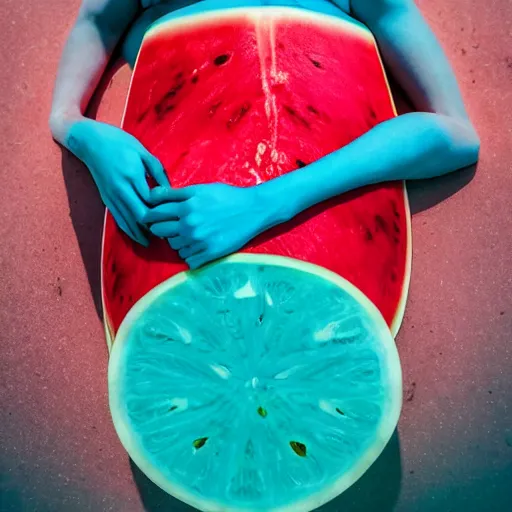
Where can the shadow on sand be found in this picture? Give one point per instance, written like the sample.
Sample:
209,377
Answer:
85,206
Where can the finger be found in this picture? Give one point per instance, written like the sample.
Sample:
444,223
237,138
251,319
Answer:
164,194
131,219
165,229
127,224
136,208
155,168
121,223
192,250
178,242
201,258
198,260
141,186
163,213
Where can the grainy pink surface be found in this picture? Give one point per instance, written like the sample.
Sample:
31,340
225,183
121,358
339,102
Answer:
59,451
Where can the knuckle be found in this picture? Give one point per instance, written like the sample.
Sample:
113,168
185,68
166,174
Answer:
158,193
131,178
193,202
192,221
122,166
140,215
180,228
197,234
113,183
117,189
187,207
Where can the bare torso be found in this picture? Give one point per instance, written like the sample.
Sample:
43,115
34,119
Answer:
156,9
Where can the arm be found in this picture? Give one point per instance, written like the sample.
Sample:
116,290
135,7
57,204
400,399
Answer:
116,160
97,30
215,219
434,141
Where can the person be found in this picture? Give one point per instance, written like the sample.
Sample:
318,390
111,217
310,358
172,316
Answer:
208,221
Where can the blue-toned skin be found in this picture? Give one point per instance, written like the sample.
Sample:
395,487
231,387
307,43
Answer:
215,220
118,164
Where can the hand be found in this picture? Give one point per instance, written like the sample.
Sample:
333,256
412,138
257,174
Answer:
118,163
206,222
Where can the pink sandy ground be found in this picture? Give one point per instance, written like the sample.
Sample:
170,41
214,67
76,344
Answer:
59,451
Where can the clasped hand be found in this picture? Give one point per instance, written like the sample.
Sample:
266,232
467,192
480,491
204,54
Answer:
205,222
201,222
119,164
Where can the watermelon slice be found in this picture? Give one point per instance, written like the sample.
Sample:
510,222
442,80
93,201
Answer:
257,383
241,96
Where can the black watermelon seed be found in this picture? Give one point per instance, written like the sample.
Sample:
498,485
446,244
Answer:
395,209
142,116
300,163
214,108
238,115
297,116
381,223
116,283
221,59
173,90
339,411
290,110
165,105
161,111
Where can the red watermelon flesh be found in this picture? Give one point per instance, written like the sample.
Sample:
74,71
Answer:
241,97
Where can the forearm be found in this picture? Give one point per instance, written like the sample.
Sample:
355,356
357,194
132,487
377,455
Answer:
99,27
412,146
83,61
